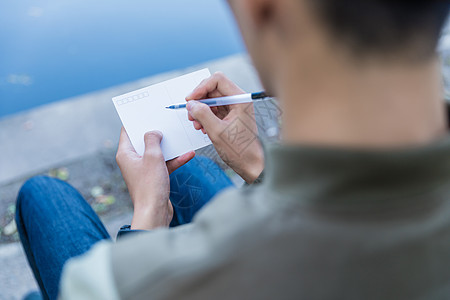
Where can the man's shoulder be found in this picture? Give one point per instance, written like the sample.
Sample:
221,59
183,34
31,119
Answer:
234,221
242,205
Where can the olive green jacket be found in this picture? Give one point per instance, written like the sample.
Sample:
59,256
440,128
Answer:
324,224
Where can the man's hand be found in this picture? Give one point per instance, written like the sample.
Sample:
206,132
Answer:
232,128
147,179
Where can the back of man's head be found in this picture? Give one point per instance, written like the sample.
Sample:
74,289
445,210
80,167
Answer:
385,27
281,32
349,72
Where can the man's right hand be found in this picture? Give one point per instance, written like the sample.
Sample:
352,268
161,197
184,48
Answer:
231,128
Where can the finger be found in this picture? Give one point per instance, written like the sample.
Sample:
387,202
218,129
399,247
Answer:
190,117
203,115
152,142
125,146
197,125
215,94
124,140
218,85
215,110
175,163
203,89
203,130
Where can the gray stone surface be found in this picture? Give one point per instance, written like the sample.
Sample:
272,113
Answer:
16,278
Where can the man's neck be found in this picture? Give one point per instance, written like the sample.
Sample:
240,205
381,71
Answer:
373,106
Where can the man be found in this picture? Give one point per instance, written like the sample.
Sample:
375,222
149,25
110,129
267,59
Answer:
354,201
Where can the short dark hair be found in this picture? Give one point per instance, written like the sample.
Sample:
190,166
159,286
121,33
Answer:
410,28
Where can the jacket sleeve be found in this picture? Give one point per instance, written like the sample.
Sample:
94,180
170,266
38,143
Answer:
89,276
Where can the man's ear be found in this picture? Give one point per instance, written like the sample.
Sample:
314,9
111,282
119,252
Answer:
261,12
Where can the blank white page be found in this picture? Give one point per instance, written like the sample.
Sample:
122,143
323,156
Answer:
145,110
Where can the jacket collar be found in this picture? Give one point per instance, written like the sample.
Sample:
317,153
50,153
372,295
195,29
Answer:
333,176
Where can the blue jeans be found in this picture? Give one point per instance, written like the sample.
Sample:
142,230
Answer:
55,223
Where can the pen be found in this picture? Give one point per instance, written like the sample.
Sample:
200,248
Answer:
238,99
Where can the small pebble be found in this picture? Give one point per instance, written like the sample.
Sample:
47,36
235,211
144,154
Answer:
63,174
10,229
99,207
97,191
107,200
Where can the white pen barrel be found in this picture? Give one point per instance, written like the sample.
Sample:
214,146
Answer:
238,99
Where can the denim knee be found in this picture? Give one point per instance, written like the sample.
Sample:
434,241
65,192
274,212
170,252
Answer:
203,167
30,191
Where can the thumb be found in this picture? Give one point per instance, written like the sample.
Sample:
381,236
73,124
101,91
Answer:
152,142
203,114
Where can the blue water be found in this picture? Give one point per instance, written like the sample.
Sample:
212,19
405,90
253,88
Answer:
51,50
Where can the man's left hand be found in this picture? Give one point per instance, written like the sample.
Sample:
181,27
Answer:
147,179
